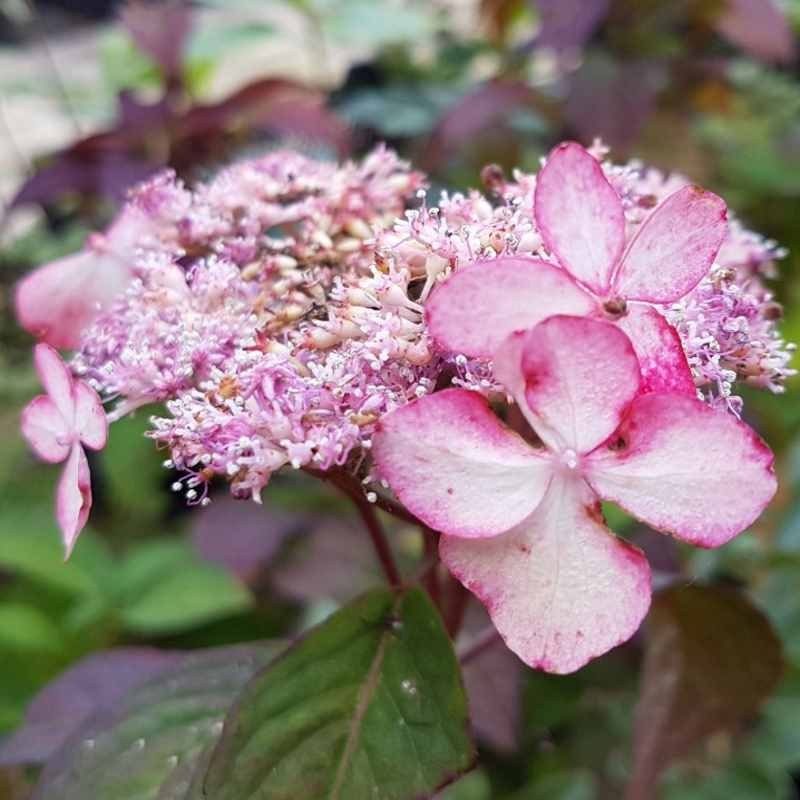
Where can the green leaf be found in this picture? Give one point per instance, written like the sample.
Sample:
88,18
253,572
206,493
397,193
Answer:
124,66
214,41
375,23
30,546
25,629
133,472
474,786
402,110
777,739
148,747
778,595
561,785
369,704
165,588
712,659
741,778
551,700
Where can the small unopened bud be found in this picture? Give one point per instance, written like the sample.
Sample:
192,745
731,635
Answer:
322,239
363,419
346,329
772,311
497,241
418,353
381,262
435,265
529,242
359,229
228,387
399,182
348,245
322,339
393,295
278,348
292,312
358,297
723,275
317,293
285,263
251,271
493,178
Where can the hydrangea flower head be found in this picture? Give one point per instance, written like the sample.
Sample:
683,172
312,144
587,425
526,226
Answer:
58,425
522,523
603,272
280,309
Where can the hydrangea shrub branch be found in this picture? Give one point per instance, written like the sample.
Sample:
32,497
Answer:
292,313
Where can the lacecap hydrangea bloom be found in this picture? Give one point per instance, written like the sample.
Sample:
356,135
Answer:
284,310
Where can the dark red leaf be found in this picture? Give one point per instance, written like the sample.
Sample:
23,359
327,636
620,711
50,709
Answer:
272,107
493,680
91,685
334,561
711,660
759,27
569,23
483,109
150,740
160,30
148,137
243,537
102,165
612,100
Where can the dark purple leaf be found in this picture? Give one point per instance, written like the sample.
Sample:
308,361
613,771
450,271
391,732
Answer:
160,30
484,109
711,660
661,552
612,100
149,741
334,562
243,537
134,115
493,680
95,683
273,107
148,137
87,171
569,23
758,27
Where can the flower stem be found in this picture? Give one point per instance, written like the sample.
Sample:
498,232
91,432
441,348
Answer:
379,540
353,489
350,485
430,576
456,607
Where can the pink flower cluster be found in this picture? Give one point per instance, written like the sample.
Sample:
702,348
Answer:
291,312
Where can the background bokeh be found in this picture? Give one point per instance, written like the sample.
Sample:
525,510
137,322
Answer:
96,95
